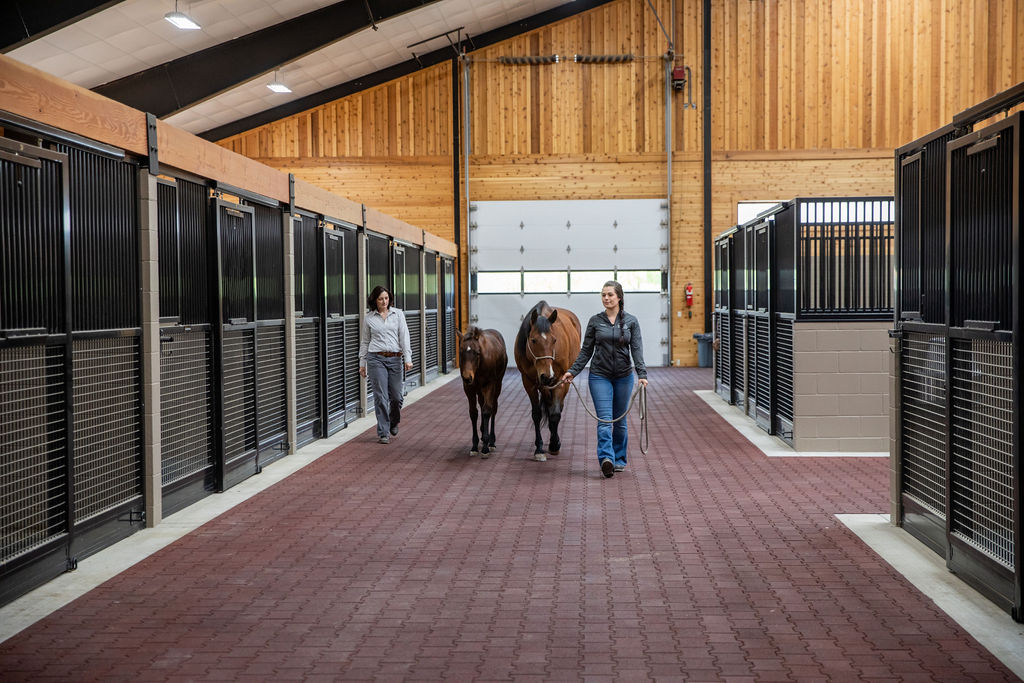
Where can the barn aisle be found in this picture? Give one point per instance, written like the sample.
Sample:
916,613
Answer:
704,560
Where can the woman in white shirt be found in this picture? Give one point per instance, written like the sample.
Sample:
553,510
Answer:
383,347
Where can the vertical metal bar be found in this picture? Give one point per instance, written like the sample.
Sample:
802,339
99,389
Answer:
321,271
467,148
1017,375
215,295
706,152
69,402
254,288
456,146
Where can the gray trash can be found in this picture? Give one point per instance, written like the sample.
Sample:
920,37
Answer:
704,342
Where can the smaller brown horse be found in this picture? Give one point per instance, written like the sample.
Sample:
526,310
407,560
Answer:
482,362
546,346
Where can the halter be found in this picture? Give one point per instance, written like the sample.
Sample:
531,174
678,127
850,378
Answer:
536,357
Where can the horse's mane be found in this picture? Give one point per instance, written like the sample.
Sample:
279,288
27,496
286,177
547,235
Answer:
543,325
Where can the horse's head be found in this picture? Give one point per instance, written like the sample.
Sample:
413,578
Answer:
470,356
541,349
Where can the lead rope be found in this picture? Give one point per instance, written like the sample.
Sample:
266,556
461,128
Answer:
641,391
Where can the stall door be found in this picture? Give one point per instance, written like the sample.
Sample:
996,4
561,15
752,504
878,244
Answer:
563,252
237,347
448,322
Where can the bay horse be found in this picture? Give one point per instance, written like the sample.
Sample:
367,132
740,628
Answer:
482,362
546,346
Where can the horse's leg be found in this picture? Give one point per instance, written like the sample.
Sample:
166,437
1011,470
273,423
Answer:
485,421
554,417
472,420
489,407
538,441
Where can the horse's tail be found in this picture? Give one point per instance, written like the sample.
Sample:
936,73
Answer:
545,412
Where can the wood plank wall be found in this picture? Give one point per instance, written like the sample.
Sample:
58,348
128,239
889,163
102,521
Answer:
809,98
848,74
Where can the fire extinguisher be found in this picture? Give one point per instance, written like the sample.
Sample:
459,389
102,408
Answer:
689,299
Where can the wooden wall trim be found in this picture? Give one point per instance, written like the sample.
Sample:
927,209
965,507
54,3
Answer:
35,95
332,205
389,225
441,246
182,150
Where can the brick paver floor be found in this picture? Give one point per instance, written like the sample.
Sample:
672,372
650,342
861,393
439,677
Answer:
704,561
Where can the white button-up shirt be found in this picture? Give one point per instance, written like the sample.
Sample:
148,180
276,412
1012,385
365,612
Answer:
385,334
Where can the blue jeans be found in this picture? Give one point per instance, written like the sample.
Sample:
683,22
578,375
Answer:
611,398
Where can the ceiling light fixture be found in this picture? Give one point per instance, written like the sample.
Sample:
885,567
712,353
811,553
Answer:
181,20
277,85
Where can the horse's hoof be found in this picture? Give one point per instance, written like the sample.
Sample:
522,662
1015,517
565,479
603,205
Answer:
484,456
472,453
540,457
552,452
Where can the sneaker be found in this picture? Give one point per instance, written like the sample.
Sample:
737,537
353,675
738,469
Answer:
384,439
607,467
619,468
394,430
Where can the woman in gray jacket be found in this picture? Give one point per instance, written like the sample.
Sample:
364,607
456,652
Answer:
383,349
612,336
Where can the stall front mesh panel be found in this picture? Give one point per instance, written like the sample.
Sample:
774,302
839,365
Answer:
982,447
239,394
431,342
723,357
186,434
784,368
739,358
751,365
352,368
923,443
33,469
415,340
336,368
307,372
107,424
449,335
717,318
763,362
270,378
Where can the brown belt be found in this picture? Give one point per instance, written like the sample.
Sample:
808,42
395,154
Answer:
387,354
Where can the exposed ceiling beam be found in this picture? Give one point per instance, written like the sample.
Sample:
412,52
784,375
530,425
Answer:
22,21
172,86
398,70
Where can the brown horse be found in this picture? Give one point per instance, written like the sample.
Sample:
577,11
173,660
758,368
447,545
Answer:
482,362
546,346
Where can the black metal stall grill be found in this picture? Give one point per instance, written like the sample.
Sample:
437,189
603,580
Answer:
723,317
70,354
188,451
804,260
958,348
431,343
308,281
448,311
407,296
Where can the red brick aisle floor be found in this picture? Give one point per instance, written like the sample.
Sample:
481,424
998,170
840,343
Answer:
704,561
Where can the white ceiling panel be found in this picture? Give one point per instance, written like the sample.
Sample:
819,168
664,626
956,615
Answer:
132,36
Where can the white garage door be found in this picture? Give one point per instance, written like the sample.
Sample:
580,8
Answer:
563,252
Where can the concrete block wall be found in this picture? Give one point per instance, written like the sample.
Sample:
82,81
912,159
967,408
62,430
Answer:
841,386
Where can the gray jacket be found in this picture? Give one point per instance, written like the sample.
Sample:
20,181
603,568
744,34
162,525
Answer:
601,340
